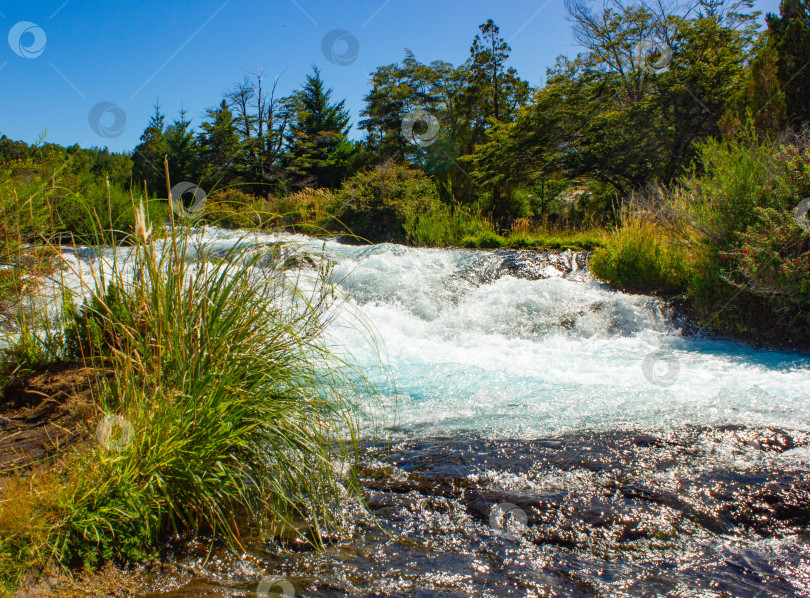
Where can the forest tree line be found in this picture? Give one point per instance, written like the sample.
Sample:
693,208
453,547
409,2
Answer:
599,117
602,125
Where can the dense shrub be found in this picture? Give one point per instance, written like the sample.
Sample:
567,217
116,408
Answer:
384,204
730,227
396,204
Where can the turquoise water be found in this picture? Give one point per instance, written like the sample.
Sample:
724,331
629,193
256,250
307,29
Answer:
522,358
467,345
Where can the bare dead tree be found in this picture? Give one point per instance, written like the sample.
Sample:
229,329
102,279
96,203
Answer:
240,99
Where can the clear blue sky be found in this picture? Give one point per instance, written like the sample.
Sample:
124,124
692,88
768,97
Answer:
188,53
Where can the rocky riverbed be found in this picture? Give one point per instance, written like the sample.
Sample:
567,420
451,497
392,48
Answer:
718,512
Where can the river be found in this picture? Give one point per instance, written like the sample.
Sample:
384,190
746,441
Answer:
549,436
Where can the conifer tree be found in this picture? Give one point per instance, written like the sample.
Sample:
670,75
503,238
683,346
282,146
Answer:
318,150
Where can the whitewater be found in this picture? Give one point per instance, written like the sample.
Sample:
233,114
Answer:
519,344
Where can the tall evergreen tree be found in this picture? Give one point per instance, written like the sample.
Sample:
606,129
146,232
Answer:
184,152
219,145
790,35
148,155
318,150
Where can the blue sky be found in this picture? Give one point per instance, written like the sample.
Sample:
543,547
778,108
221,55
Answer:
79,53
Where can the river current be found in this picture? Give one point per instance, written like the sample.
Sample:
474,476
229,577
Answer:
547,436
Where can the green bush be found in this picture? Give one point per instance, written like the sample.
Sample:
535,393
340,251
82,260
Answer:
385,204
728,237
639,258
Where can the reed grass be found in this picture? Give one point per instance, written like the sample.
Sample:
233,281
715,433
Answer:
227,407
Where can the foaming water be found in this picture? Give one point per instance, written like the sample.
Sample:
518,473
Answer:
472,346
516,345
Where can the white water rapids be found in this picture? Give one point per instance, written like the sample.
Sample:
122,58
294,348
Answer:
470,347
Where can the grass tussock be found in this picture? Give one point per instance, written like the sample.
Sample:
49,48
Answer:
226,408
640,257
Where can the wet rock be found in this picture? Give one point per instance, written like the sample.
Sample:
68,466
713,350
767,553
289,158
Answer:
672,501
645,440
637,513
777,440
777,509
538,265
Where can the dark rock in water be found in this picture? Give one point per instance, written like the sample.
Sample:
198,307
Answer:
537,265
486,267
645,440
777,440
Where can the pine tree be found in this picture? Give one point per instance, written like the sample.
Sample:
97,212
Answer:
219,145
318,150
790,35
488,54
184,152
148,155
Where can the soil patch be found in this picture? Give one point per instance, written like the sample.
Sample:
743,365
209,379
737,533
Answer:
45,412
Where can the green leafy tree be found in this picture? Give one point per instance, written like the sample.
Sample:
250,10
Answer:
619,116
463,103
761,102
